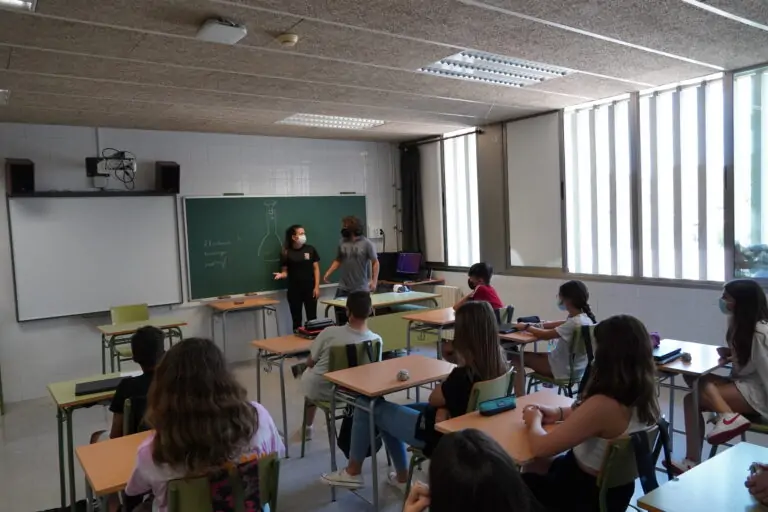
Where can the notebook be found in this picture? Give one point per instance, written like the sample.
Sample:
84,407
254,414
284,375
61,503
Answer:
97,386
665,353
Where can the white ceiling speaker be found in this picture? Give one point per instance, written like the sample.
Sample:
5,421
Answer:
219,30
288,40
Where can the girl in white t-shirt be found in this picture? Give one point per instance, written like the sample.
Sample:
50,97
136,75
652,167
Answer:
572,297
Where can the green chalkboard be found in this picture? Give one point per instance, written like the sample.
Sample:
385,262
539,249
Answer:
234,243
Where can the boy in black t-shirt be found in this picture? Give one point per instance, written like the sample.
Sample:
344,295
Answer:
147,345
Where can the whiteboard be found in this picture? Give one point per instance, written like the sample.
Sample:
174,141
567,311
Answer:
79,255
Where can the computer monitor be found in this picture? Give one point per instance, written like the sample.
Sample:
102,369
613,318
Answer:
408,263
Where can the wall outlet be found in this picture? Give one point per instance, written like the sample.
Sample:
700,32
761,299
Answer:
374,231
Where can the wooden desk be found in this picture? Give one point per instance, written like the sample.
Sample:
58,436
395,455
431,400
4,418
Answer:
716,484
507,428
433,320
704,360
519,338
63,395
376,380
273,352
222,308
382,300
108,465
113,335
425,282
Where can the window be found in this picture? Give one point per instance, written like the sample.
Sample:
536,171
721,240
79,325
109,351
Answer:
681,182
597,188
462,230
750,124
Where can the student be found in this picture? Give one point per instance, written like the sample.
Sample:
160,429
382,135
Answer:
745,392
470,471
477,345
758,484
573,298
302,270
314,386
479,283
147,345
357,260
201,418
619,399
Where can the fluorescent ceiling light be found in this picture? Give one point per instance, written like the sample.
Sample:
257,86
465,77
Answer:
4,96
494,69
27,5
338,122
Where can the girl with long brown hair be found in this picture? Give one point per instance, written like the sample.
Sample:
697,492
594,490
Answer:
202,419
619,399
480,358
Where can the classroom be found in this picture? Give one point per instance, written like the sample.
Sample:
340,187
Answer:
231,191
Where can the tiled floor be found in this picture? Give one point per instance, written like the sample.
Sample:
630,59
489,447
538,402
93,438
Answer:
29,471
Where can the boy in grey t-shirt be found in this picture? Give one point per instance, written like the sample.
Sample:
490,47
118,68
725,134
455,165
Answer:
313,385
357,260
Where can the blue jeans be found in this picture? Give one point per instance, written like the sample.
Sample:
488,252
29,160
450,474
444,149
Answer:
396,424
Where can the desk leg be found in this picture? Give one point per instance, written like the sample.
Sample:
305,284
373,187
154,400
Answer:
671,411
521,350
62,478
258,375
326,310
103,354
88,497
111,343
439,341
696,401
374,468
332,438
277,321
224,333
282,398
263,323
408,338
71,461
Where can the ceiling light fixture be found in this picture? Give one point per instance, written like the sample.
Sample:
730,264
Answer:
336,122
220,30
5,95
494,69
27,5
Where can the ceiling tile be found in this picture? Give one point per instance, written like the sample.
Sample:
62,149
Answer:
754,10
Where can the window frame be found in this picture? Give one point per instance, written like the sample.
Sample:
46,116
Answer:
636,199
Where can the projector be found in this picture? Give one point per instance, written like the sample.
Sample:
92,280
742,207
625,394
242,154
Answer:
221,31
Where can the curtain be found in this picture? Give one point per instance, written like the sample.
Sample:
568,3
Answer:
412,205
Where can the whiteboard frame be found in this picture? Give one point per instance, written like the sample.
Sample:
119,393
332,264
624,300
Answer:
8,199
237,196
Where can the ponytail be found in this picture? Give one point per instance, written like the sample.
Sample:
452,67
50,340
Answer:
588,311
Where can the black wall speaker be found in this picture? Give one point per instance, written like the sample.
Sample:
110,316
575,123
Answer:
19,176
167,177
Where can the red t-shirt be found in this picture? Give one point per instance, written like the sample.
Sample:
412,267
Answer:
488,294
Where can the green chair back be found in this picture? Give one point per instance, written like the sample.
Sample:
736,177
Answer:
339,357
392,329
194,494
133,414
490,389
129,313
504,315
619,465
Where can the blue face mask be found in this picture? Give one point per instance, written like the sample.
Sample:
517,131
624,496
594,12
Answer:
723,304
561,305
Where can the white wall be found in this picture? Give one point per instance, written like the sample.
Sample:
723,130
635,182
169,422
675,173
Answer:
677,313
36,353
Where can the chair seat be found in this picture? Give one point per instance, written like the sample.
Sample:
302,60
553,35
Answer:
551,380
759,426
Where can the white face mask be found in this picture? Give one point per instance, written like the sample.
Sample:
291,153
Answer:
302,239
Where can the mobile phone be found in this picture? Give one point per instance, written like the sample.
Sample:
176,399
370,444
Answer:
497,405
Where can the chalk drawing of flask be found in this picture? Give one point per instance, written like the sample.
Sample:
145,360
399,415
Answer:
271,246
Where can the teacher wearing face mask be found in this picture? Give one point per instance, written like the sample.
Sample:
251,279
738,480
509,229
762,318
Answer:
356,258
301,268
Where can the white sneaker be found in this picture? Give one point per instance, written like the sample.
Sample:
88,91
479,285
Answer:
395,483
678,467
341,478
727,427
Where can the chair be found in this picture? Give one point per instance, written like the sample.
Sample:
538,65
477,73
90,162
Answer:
120,348
481,391
194,494
581,337
758,427
504,315
365,352
620,464
133,415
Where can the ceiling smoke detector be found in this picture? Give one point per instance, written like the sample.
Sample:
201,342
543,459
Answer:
219,30
287,40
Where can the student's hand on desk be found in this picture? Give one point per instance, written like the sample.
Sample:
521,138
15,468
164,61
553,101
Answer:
758,486
724,352
532,415
316,292
549,415
521,326
279,275
326,278
372,285
418,499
